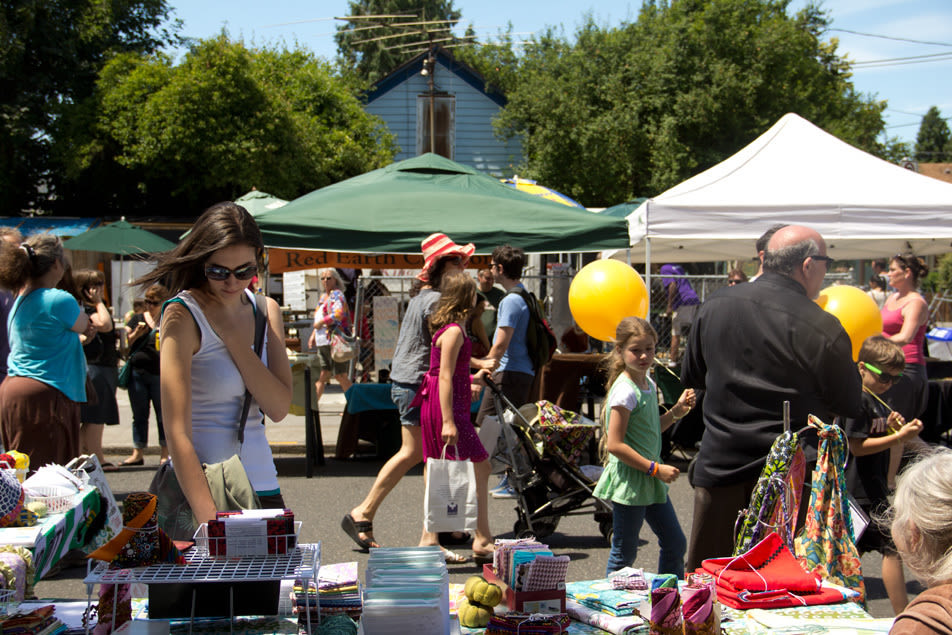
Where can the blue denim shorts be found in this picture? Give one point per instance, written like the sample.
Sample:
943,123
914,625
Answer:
402,396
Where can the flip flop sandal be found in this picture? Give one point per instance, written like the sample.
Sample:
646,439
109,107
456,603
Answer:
354,528
455,538
452,557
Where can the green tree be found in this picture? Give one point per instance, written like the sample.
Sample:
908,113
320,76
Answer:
631,111
51,52
172,139
932,142
371,47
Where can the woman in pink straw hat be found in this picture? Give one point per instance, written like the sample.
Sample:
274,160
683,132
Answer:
441,256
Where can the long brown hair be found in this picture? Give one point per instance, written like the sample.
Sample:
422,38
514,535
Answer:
457,299
221,225
629,327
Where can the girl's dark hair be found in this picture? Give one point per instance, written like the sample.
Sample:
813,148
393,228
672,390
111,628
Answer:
30,259
913,263
86,279
457,299
221,225
435,274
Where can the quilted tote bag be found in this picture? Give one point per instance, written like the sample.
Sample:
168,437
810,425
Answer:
825,545
775,500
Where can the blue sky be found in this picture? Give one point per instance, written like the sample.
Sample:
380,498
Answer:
909,88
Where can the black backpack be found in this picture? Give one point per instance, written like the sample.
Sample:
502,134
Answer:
540,340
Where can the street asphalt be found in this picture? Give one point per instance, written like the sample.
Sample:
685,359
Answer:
322,501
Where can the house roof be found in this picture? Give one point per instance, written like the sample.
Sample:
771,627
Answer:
941,171
413,66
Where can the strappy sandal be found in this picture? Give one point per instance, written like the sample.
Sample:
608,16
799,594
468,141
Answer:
354,528
452,557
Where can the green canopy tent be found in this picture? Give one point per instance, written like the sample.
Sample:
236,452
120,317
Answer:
390,210
258,203
123,238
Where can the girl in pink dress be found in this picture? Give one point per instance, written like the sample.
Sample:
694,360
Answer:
445,398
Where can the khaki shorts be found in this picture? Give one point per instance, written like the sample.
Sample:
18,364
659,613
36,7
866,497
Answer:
682,319
323,361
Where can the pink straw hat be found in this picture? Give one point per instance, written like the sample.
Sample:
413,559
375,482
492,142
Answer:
437,246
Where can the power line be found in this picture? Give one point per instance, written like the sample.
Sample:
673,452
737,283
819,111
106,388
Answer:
931,57
890,37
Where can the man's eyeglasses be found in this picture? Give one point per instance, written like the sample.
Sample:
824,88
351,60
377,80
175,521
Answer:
885,378
825,259
733,282
220,274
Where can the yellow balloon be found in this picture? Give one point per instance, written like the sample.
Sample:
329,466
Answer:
603,293
856,311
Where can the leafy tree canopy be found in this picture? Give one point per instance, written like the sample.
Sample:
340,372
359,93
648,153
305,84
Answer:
933,140
383,34
172,139
51,52
631,111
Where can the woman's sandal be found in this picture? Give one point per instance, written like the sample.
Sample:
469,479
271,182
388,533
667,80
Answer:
354,528
483,557
452,557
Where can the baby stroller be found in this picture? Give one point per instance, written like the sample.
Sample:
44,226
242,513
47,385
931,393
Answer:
542,456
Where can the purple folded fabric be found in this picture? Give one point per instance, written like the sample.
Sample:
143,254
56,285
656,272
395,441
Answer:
666,616
698,610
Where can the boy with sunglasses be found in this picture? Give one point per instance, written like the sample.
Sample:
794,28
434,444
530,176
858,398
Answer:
871,435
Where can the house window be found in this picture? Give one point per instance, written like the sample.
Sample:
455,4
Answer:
443,128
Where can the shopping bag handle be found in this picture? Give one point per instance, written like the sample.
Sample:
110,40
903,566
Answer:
443,453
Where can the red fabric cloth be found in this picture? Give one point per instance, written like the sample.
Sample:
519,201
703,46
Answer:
767,576
769,565
776,599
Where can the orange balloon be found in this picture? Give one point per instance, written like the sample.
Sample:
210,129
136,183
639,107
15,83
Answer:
605,292
856,311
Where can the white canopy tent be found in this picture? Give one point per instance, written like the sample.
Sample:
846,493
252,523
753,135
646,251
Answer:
795,173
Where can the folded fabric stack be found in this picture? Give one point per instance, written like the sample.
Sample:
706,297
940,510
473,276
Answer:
40,621
698,610
666,618
615,625
599,595
304,602
339,590
768,576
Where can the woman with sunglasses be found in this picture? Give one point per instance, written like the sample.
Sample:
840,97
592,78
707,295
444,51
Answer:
330,315
144,382
905,314
208,358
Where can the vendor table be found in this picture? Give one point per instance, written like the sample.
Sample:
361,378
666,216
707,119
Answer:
560,380
370,413
303,402
58,533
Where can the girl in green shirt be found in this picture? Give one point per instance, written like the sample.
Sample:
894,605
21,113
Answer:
635,479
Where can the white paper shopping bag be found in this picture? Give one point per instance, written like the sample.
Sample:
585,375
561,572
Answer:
449,502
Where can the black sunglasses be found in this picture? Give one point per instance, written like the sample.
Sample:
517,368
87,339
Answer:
245,272
732,282
152,302
825,259
881,376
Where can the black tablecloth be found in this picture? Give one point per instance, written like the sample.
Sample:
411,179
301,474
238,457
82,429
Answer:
937,418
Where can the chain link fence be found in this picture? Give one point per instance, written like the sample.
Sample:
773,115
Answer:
380,301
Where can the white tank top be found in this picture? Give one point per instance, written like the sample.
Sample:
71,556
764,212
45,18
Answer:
218,393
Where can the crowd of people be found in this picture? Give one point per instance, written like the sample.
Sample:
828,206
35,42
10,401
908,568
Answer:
207,356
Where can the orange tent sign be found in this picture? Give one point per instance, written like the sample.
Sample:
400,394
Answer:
281,260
